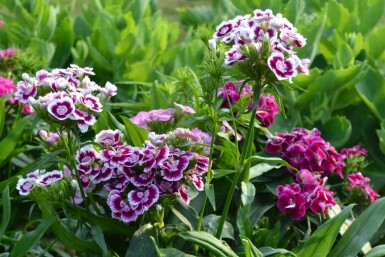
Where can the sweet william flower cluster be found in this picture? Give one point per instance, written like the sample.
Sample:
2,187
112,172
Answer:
136,177
263,38
65,94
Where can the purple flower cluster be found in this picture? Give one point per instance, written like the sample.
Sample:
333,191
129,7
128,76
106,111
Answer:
38,178
267,108
358,182
271,36
66,94
304,149
308,193
137,177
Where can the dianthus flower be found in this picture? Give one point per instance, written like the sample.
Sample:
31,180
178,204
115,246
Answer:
355,150
65,95
137,177
263,38
7,88
7,53
267,108
304,149
38,178
144,119
308,193
359,182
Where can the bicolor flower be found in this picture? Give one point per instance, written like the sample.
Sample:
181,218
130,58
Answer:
61,109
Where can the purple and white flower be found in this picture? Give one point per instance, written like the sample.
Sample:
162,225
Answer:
61,109
282,68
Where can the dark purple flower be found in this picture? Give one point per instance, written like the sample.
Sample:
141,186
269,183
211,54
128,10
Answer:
61,109
146,197
115,201
24,186
86,155
223,29
128,214
25,90
49,178
143,179
291,200
283,69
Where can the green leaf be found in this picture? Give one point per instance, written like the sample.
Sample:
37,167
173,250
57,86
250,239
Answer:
136,134
138,9
167,252
209,190
268,251
337,130
31,239
370,13
361,230
248,193
322,240
6,211
211,222
97,234
218,173
372,92
344,57
186,214
250,249
64,39
141,244
372,45
378,251
261,168
11,140
207,241
270,160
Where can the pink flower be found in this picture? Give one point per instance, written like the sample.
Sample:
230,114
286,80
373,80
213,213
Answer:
291,200
358,181
142,119
49,137
25,90
7,88
185,108
355,150
7,53
226,128
282,68
267,110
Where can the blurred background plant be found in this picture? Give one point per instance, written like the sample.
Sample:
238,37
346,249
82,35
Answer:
154,59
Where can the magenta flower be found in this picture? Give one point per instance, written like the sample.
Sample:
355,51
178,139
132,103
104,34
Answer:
49,137
291,200
355,150
267,110
7,88
359,182
143,199
7,53
38,178
223,29
322,200
304,149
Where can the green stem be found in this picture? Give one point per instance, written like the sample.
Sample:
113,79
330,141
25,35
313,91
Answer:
240,167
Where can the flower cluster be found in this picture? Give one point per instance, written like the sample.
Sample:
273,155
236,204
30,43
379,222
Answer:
7,88
267,108
360,183
38,178
160,120
136,177
308,193
66,94
263,37
7,53
304,149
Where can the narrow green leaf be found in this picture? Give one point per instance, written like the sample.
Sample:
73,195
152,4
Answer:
136,134
250,248
270,160
207,241
31,239
268,251
322,240
141,244
361,230
378,251
6,211
167,252
209,190
218,173
186,214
